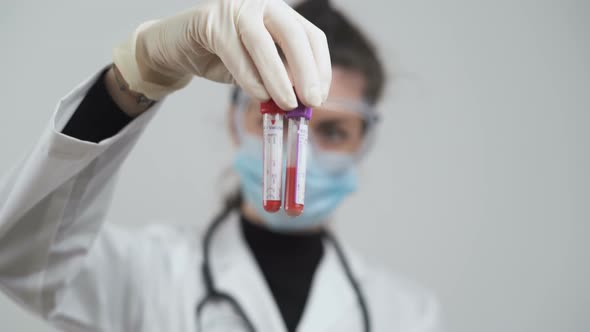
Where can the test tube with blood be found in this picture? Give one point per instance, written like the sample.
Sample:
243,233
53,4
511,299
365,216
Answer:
297,136
272,165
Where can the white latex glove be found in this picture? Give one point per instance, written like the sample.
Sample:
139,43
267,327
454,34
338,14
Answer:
230,41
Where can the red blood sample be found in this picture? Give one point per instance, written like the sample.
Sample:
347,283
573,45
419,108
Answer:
272,152
271,206
291,207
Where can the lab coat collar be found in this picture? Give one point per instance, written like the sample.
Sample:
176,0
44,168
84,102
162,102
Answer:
236,272
332,296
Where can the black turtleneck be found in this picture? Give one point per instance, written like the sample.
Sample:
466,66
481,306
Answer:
287,261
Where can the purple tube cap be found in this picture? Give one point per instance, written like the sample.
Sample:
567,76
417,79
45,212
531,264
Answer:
301,111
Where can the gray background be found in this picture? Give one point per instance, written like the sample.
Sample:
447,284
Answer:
477,188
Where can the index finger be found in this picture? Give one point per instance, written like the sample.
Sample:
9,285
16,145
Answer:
286,29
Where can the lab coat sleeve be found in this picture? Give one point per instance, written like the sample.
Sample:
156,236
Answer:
396,301
52,206
430,318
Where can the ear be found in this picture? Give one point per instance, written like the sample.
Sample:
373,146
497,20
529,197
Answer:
231,124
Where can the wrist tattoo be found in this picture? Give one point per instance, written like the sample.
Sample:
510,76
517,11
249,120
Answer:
140,98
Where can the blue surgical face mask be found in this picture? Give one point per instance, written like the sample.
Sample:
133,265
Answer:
323,193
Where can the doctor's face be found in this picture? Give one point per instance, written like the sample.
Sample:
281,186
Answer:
336,126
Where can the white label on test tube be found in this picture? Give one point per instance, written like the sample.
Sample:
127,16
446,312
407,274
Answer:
273,157
301,161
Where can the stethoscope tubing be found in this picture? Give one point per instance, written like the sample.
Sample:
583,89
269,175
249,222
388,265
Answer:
213,294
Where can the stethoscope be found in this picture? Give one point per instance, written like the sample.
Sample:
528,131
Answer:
213,294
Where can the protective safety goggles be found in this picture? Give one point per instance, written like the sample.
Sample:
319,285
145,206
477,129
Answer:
341,131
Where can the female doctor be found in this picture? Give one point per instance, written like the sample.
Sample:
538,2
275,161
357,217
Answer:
248,270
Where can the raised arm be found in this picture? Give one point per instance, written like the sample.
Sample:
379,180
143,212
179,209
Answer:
53,203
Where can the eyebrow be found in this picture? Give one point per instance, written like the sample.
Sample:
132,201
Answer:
332,120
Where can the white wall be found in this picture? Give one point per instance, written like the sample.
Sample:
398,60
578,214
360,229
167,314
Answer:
478,188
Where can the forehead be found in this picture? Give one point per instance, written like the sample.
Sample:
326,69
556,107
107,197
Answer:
347,84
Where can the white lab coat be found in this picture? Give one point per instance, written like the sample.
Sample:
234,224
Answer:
61,261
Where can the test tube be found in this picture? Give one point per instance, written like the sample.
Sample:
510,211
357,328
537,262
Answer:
272,164
297,133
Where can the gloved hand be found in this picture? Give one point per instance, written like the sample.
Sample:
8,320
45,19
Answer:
230,41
